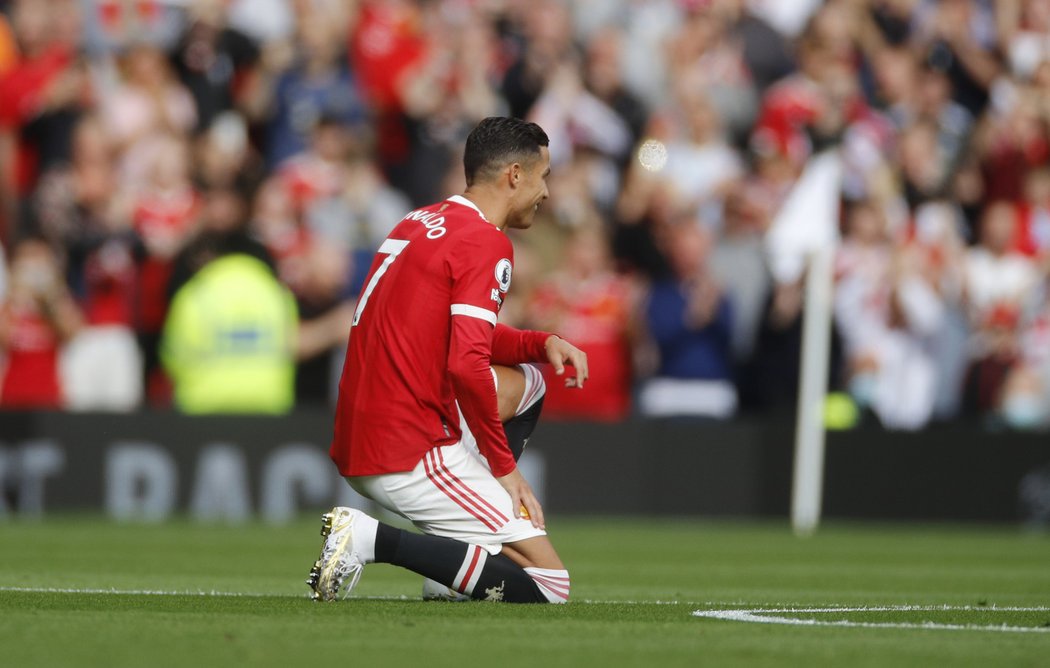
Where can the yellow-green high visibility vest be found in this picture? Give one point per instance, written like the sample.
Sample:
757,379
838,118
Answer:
229,340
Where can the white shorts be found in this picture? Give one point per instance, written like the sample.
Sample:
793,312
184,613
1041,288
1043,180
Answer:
450,493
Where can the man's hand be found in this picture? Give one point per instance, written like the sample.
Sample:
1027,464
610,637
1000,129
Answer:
522,498
560,352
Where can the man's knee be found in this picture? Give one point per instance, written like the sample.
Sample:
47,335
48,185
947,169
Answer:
518,388
537,557
519,428
552,583
510,388
535,388
535,552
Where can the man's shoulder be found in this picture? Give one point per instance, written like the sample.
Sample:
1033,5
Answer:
460,230
483,240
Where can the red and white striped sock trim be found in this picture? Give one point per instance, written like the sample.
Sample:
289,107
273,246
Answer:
535,388
465,497
553,583
471,569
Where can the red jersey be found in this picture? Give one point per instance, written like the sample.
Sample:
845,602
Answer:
593,315
109,284
424,336
31,379
22,90
307,177
163,220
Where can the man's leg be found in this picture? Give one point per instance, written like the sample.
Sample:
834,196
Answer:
472,543
516,540
471,570
519,390
527,571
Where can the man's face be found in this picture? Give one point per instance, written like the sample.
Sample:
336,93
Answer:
531,191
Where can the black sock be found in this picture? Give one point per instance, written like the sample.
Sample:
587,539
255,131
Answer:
520,427
466,568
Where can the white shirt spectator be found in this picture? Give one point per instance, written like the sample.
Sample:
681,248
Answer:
993,279
262,20
696,172
788,18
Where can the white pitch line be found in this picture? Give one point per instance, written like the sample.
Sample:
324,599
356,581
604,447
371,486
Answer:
238,594
136,592
769,616
159,592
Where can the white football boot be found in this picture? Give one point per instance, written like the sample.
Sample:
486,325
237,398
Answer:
340,564
435,591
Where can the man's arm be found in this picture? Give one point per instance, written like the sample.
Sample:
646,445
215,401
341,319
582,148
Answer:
475,390
516,346
470,371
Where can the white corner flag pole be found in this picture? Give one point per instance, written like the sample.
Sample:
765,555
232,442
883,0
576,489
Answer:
808,489
802,238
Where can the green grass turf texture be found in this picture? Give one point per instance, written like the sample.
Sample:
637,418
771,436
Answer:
624,573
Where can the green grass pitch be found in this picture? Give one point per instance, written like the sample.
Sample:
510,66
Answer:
73,593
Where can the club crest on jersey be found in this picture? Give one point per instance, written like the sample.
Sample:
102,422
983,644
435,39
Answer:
503,271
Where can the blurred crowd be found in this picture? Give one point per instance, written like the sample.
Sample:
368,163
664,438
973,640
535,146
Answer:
191,192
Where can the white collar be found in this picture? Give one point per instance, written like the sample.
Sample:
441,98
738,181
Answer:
460,199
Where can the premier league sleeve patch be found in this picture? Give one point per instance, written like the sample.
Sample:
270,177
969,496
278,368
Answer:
503,271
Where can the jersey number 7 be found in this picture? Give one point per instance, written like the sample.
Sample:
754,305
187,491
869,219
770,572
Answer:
391,248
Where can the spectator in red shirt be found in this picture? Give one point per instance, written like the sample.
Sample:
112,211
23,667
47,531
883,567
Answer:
1001,290
274,221
165,217
36,318
385,41
42,95
1012,141
319,172
588,303
81,206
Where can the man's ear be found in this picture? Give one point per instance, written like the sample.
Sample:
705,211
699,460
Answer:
514,175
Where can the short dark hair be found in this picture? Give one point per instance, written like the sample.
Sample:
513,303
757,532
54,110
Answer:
498,141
